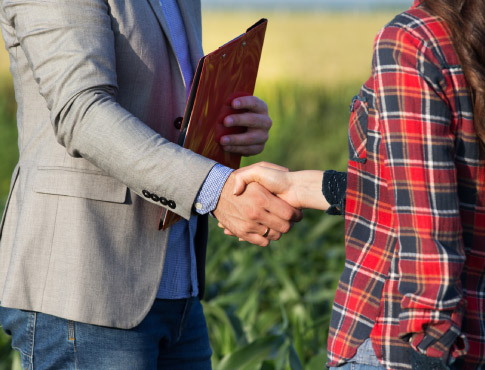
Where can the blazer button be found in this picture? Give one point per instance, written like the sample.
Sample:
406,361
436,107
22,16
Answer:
163,201
172,204
147,194
155,197
178,122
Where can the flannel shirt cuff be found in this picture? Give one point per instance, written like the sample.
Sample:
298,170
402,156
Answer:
435,334
210,191
334,189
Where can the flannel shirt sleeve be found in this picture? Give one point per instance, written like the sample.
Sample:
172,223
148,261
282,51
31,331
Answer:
416,126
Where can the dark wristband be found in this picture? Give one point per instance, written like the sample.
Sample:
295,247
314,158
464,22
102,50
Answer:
334,188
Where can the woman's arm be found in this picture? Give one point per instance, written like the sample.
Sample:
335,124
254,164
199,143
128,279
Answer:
302,189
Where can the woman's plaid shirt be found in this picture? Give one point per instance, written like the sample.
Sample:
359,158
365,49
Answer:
415,210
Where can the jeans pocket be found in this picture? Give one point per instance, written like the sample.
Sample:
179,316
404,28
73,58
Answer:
20,325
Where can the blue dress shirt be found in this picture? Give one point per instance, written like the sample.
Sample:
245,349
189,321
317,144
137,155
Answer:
179,278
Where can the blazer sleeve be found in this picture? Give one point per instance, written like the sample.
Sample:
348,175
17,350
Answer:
70,48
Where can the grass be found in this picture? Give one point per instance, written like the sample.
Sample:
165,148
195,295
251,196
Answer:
269,308
279,296
4,63
316,49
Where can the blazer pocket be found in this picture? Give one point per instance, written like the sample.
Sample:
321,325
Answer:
359,109
79,184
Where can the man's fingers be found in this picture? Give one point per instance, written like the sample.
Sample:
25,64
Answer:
250,137
250,142
229,232
270,236
252,114
256,239
250,120
251,103
279,215
278,208
250,215
274,235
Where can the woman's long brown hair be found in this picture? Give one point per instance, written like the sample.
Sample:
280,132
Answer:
466,20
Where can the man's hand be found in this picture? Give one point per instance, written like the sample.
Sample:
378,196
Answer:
254,116
249,215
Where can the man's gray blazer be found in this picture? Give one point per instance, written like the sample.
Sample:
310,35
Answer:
98,87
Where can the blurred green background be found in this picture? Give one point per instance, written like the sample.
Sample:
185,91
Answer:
268,308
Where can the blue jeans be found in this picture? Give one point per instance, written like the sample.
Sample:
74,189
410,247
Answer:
364,359
355,366
172,336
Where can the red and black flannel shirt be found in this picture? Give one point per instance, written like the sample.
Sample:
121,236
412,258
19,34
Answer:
415,209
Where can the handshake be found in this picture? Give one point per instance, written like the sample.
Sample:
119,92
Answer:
261,202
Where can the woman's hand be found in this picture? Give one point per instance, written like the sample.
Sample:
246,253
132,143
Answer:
301,189
276,179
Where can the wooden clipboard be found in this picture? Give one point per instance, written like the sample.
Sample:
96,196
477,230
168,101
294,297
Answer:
221,76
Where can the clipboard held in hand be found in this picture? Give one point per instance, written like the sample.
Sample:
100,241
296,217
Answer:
221,76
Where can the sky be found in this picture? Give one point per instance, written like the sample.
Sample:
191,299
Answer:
352,5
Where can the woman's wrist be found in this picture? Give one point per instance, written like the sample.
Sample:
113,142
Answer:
307,186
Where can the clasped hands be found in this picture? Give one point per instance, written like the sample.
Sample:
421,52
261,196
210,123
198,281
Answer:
272,197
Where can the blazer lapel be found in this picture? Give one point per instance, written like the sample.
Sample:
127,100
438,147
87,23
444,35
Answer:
157,9
191,16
